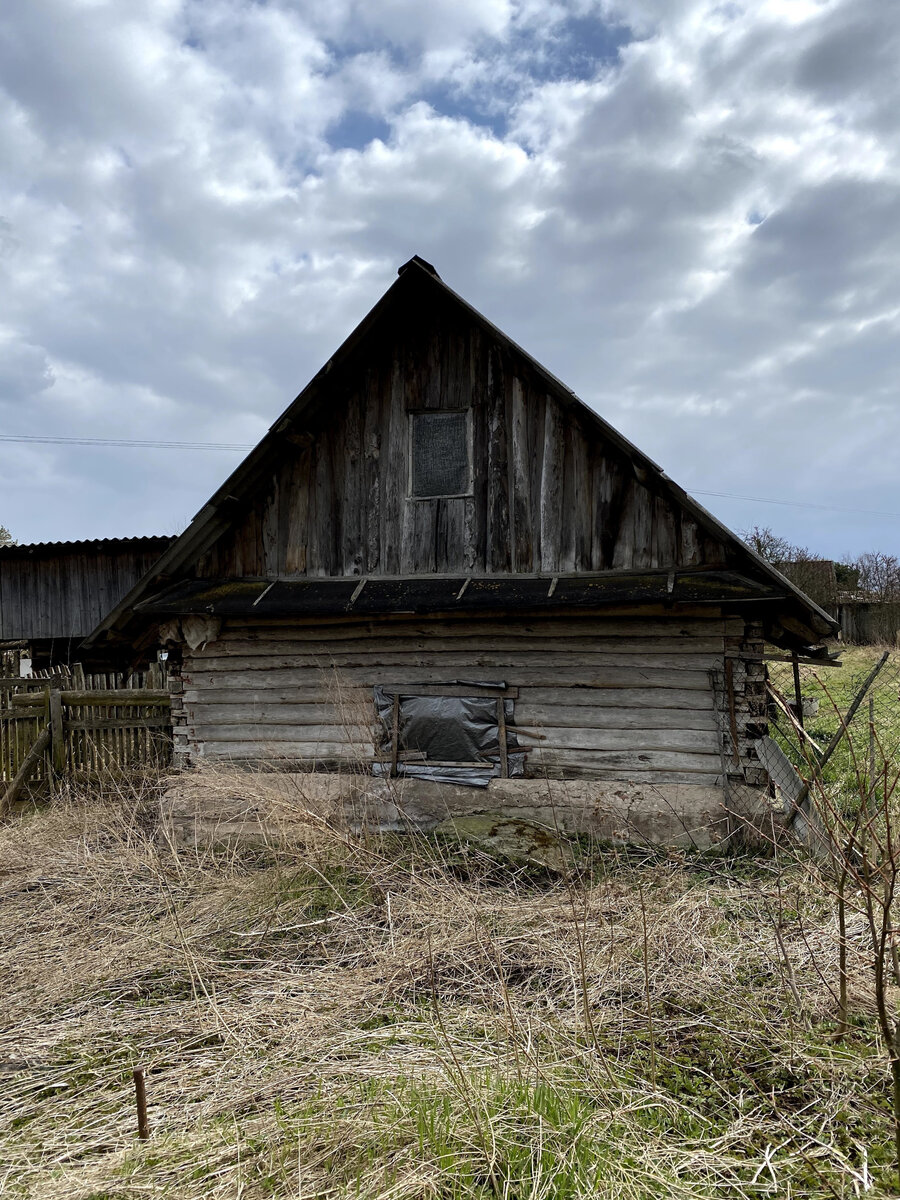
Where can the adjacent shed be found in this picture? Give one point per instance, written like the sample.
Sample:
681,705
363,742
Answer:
52,594
440,564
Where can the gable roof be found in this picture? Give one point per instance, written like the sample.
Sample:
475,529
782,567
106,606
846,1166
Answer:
418,275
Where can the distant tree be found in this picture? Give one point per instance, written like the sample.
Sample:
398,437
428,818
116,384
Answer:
879,585
847,576
812,573
6,538
879,575
774,548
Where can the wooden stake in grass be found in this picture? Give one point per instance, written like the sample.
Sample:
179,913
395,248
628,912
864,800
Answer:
140,1097
646,958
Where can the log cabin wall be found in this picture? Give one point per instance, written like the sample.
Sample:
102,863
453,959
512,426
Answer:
630,698
547,493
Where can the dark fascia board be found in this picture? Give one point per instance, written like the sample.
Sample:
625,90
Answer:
456,592
213,518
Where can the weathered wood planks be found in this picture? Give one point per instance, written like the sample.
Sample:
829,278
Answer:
62,590
548,493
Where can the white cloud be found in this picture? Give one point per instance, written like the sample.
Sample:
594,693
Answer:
689,209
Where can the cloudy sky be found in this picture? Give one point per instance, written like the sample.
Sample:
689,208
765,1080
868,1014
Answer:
688,210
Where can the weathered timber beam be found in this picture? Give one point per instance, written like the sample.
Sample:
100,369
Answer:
57,732
131,696
121,723
807,662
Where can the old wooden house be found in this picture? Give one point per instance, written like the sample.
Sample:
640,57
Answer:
52,594
439,565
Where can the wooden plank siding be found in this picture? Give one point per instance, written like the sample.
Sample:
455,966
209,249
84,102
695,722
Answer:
548,494
626,698
62,590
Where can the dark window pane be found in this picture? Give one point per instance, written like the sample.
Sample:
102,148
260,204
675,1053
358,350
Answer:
440,454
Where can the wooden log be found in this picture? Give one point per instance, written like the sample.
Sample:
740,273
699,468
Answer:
286,758
231,706
120,723
599,694
562,707
679,627
464,670
468,671
507,638
632,759
450,690
267,727
31,760
807,662
134,697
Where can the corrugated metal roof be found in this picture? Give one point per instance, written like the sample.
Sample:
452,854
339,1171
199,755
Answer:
148,542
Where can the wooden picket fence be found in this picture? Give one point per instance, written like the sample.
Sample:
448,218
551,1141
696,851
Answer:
68,725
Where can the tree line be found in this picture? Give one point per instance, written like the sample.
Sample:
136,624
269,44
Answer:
875,575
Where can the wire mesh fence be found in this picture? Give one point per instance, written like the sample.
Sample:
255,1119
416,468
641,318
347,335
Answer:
831,741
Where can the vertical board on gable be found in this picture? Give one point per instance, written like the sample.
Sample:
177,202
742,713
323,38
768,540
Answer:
548,492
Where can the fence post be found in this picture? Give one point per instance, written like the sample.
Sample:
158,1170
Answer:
798,695
57,733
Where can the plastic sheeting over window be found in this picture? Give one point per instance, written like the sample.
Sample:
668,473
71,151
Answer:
447,739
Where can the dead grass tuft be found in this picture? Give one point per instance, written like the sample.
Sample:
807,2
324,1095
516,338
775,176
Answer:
337,1015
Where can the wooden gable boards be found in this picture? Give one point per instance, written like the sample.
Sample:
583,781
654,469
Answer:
555,489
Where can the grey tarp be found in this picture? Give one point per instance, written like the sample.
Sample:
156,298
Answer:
448,730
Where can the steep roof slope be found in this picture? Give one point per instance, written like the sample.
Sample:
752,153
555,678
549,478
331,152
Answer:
419,284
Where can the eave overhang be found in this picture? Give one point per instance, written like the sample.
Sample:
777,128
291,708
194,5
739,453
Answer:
304,596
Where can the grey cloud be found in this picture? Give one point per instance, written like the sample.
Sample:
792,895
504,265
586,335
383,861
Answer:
24,371
186,246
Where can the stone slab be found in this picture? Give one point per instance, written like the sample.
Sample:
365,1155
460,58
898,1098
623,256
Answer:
216,804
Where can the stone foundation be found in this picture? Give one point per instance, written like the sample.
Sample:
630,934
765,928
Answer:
218,805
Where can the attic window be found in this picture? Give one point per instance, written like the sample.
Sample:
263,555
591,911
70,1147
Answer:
439,454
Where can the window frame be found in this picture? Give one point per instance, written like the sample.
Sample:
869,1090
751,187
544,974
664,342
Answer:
412,413
460,690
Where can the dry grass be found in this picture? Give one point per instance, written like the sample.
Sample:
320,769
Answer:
338,1016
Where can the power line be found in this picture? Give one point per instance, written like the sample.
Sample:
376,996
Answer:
137,443
130,442
868,512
